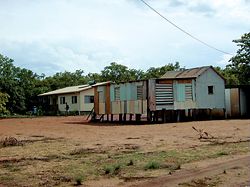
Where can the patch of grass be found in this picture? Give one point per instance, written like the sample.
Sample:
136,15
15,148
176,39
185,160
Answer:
130,163
78,180
112,169
108,169
222,153
152,165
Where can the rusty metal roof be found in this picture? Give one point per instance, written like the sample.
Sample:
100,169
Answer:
187,73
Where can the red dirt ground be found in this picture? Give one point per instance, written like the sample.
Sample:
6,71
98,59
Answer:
147,137
174,135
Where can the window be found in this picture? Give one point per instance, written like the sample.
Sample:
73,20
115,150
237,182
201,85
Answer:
117,93
88,99
62,100
139,92
188,92
210,90
74,99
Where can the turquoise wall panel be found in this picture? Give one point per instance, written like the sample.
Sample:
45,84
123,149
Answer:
112,93
180,92
123,96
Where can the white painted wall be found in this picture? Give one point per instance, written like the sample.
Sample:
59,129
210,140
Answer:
205,100
86,106
68,99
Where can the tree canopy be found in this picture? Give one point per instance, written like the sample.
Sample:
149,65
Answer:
240,63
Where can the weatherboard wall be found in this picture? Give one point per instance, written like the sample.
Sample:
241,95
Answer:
205,100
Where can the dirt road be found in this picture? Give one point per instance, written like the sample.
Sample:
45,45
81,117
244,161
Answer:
186,175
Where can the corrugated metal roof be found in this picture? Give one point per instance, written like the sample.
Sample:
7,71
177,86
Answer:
187,73
72,89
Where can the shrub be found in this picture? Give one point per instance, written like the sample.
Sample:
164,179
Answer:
130,163
152,165
78,180
112,169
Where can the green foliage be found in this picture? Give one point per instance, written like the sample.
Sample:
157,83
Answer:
3,100
239,69
152,165
112,169
130,163
78,180
158,72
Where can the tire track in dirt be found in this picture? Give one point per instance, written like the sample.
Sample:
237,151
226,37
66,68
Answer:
186,175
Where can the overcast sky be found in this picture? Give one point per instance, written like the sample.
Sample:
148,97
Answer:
49,36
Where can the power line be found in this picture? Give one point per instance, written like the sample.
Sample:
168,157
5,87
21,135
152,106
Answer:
182,30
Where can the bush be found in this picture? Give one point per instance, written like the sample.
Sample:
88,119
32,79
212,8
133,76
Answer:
152,165
78,180
112,169
130,163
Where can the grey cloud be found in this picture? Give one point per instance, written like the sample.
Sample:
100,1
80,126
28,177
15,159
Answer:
202,8
176,3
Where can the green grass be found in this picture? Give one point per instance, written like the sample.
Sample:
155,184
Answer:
62,162
152,165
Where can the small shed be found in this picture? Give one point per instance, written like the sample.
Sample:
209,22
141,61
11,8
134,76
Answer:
238,101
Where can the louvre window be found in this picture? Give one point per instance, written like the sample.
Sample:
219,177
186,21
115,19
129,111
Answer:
188,92
139,92
117,93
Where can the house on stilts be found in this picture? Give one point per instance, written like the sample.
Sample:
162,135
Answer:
189,93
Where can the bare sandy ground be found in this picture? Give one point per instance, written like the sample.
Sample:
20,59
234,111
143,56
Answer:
148,138
171,135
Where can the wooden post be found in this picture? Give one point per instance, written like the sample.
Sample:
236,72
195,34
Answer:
120,117
210,113
112,117
107,117
178,115
138,117
164,117
130,117
194,114
156,116
124,117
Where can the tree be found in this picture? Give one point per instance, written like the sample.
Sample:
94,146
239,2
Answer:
240,63
230,78
64,79
3,100
20,84
115,72
158,72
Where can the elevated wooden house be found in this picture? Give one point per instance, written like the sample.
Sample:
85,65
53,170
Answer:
191,91
176,94
121,99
